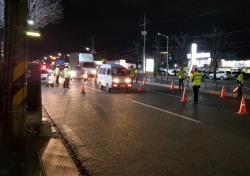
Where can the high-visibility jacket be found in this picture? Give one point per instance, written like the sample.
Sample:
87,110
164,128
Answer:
196,78
240,78
132,72
181,74
136,71
57,71
66,73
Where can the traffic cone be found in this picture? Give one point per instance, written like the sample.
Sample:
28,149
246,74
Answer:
82,89
140,87
223,92
243,109
184,96
95,79
172,85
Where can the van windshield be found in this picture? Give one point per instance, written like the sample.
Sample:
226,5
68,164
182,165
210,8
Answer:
119,72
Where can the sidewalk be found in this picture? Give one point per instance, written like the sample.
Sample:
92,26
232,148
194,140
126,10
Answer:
55,158
36,155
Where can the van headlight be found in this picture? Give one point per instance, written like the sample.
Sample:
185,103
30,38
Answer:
116,80
128,80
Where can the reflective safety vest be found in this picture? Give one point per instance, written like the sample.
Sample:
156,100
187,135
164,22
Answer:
132,72
66,73
181,74
57,71
240,78
196,78
136,71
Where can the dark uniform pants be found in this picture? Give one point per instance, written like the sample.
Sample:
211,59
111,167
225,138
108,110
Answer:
66,83
196,91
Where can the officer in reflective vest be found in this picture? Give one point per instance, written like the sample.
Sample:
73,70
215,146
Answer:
57,73
136,75
240,81
66,77
181,78
196,82
132,72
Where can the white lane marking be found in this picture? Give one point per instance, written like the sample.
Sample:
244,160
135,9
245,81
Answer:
93,88
181,116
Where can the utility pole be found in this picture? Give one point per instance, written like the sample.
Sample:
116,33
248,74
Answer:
144,33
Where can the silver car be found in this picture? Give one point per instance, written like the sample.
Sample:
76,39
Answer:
77,72
47,78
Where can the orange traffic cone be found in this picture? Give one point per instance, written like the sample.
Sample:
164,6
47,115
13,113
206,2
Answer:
223,92
243,109
140,87
184,96
82,89
95,79
172,85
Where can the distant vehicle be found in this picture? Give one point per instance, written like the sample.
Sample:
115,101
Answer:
221,75
77,72
170,71
47,78
86,60
114,76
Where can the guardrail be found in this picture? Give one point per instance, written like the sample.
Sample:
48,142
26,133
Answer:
207,84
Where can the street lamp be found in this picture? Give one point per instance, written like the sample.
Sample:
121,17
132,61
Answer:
167,54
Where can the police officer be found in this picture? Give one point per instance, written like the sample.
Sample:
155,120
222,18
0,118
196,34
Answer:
196,82
181,78
66,77
132,72
240,80
57,73
136,74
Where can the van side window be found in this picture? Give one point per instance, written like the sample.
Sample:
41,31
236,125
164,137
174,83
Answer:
108,71
103,71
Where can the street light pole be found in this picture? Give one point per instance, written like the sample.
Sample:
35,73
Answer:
167,54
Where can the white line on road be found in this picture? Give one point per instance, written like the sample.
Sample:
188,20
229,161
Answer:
181,116
93,88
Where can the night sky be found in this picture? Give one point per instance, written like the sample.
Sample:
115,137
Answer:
115,24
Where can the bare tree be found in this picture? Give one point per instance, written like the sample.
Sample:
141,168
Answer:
41,12
181,40
219,43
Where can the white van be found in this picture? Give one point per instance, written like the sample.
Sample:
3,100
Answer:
114,76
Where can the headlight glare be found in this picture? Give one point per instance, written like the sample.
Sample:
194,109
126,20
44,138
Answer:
116,80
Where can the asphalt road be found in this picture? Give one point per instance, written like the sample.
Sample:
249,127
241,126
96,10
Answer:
151,132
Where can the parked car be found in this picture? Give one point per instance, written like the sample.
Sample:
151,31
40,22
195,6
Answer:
47,78
170,71
221,75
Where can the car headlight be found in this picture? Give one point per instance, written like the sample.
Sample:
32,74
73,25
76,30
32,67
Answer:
128,80
116,80
51,77
72,73
93,72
